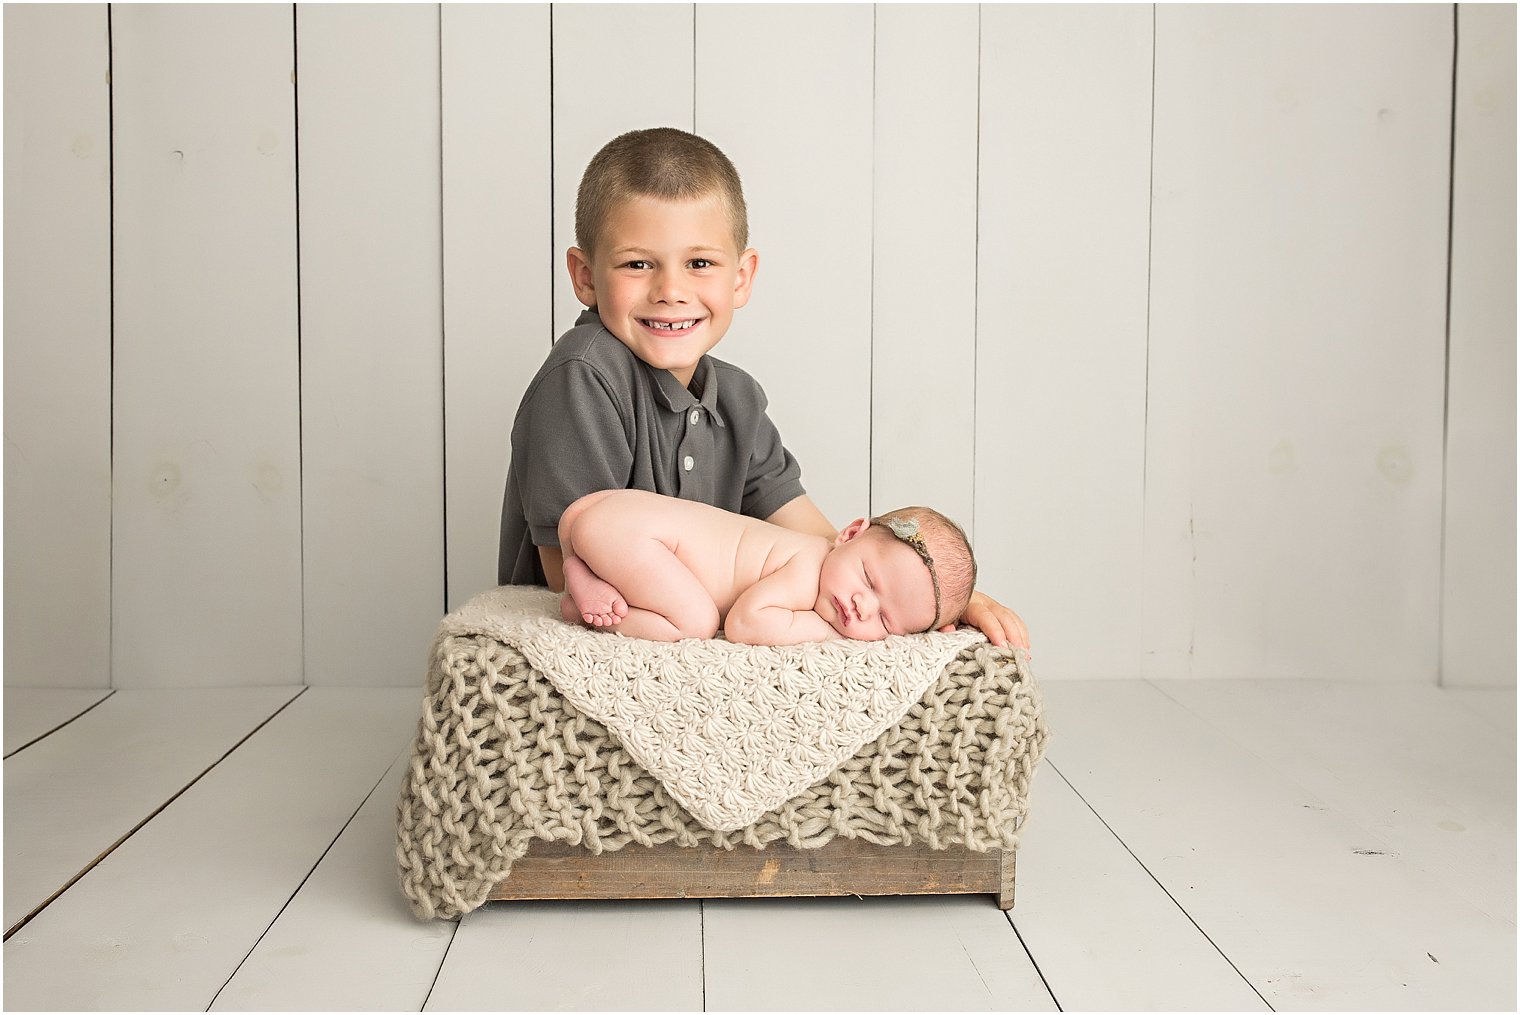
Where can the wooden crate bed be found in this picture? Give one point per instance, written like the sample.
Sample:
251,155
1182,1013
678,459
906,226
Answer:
514,793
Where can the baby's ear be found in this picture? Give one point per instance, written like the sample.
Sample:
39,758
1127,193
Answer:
851,530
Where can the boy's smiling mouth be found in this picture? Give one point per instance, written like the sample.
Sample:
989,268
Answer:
670,327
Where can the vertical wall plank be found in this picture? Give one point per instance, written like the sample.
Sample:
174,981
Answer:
786,92
1293,497
1478,608
498,260
617,67
1061,305
371,340
57,346
206,583
923,350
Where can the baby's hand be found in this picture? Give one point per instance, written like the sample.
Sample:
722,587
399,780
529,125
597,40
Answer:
1000,624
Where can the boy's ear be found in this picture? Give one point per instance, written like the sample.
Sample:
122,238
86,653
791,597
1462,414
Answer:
579,264
749,261
851,531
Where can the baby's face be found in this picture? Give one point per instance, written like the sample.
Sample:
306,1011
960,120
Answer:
873,584
665,278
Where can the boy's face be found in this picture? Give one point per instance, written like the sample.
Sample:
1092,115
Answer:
873,584
666,279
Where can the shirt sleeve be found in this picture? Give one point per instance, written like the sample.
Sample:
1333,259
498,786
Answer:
570,439
774,476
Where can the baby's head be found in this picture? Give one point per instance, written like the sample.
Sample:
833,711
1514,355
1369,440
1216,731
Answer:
662,163
904,572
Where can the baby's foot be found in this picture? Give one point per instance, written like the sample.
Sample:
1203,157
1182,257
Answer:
599,603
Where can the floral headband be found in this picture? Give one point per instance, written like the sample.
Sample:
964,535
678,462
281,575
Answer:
906,529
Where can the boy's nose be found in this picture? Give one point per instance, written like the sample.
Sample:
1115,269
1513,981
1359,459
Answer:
667,288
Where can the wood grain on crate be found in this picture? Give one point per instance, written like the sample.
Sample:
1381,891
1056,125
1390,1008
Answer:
843,867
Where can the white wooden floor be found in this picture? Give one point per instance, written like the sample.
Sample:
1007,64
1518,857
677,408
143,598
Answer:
1218,845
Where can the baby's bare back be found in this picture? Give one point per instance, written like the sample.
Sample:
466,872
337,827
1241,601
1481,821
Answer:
727,552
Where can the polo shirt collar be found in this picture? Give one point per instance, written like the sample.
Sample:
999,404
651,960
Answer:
678,399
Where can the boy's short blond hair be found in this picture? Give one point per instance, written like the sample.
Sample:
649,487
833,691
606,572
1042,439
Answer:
954,563
660,162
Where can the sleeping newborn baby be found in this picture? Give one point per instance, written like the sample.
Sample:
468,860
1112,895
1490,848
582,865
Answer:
661,568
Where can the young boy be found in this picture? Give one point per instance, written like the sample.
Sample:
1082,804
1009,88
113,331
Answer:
629,398
665,569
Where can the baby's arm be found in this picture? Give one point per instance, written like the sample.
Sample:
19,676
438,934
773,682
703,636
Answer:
778,609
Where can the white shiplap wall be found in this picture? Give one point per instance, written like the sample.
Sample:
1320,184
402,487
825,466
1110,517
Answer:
1152,299
57,346
371,340
1478,590
1061,328
206,454
1298,276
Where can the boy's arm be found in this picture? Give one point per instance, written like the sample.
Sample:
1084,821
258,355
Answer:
800,514
569,439
778,609
553,560
1000,624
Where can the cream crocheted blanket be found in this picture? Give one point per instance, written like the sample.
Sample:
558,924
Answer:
732,731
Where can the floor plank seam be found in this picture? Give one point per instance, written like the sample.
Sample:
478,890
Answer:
255,947
702,942
138,827
1008,915
60,726
442,962
1181,908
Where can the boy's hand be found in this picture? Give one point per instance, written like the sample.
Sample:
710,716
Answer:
1000,624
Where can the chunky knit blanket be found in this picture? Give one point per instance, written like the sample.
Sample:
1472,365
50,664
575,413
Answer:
710,742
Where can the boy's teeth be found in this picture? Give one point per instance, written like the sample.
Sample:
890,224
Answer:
676,326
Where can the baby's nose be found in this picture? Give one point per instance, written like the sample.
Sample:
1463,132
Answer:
865,605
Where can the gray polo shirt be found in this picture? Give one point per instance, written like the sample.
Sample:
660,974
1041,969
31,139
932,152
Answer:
596,417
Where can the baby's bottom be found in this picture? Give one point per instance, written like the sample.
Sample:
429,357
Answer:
612,561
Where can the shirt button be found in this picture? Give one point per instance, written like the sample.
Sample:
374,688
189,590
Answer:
688,463
695,416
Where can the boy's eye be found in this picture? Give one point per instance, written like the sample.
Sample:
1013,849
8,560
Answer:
700,262
637,265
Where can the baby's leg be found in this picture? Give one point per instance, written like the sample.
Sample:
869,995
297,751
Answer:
665,601
598,603
587,596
